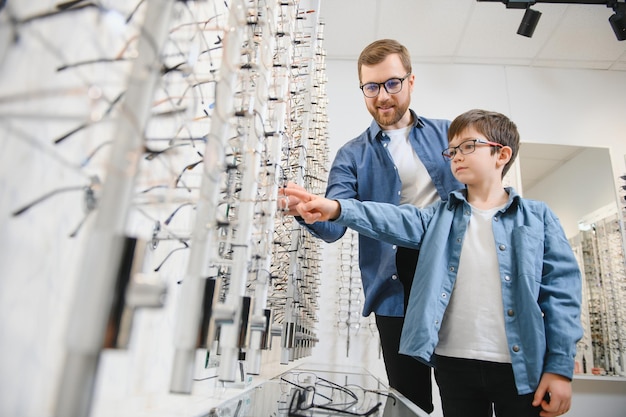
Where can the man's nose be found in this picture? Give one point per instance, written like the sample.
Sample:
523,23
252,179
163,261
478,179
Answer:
382,92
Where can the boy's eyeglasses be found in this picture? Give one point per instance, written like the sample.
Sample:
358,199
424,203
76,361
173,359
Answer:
392,86
466,148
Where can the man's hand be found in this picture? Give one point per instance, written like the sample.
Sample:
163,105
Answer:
287,203
310,207
558,390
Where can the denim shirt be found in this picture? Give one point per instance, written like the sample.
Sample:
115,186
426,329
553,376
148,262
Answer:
541,281
363,169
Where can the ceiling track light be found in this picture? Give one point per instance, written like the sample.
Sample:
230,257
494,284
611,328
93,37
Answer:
618,21
531,17
529,23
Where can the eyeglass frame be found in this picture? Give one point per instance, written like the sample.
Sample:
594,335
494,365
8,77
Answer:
384,84
449,156
303,399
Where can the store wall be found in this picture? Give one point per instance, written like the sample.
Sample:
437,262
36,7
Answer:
555,106
569,107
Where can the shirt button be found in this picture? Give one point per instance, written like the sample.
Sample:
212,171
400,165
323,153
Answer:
399,192
467,213
507,278
495,219
444,295
515,348
458,240
451,269
394,277
395,246
502,247
510,312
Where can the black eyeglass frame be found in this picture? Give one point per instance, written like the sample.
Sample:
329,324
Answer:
303,400
384,84
449,153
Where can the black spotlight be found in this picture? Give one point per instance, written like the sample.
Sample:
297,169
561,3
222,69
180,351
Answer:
529,23
618,21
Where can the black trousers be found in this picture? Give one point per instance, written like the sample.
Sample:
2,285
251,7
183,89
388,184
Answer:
406,374
473,388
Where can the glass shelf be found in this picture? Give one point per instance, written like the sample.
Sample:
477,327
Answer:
307,392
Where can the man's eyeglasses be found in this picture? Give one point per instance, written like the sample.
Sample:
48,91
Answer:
466,148
392,86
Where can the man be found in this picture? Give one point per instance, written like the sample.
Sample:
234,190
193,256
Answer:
397,160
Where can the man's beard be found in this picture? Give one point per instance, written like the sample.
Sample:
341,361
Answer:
390,119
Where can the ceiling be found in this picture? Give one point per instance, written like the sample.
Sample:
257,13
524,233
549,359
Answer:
467,31
470,32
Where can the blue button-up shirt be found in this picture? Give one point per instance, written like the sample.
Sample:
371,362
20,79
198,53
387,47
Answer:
363,169
541,281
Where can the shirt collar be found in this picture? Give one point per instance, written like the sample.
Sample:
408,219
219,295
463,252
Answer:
460,196
416,122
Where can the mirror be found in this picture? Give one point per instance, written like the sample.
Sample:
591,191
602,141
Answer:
577,184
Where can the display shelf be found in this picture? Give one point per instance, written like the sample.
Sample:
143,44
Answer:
323,390
609,378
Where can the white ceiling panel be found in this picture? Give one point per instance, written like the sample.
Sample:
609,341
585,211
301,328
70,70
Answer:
584,35
431,29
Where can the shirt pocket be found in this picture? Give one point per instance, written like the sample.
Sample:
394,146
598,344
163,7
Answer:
528,246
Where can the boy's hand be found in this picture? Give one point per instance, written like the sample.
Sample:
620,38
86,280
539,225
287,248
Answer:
310,207
559,390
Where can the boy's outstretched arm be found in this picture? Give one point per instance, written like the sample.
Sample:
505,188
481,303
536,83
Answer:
312,208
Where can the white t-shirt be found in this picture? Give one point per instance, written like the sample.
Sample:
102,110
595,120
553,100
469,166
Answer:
473,325
417,186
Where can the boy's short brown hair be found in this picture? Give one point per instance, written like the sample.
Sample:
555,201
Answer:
495,126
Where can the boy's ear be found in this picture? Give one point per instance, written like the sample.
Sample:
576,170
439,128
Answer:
504,156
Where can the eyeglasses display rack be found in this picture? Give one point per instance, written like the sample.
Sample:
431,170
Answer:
186,119
600,253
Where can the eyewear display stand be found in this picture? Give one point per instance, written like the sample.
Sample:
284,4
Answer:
103,249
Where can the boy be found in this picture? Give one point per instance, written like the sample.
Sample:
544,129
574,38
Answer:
495,303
